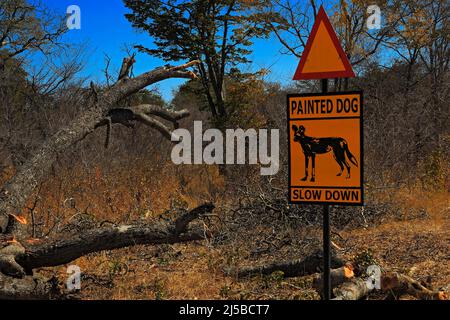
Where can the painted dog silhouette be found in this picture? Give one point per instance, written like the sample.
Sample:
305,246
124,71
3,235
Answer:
312,146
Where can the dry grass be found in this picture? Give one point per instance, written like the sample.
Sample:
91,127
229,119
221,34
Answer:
418,246
411,243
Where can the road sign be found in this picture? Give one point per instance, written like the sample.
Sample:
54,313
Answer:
326,148
323,57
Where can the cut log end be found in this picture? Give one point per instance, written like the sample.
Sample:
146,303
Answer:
338,276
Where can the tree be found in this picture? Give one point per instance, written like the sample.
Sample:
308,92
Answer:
102,110
26,27
216,32
24,30
291,22
424,37
18,255
421,42
407,90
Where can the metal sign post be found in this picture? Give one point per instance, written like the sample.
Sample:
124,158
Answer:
326,254
323,123
326,236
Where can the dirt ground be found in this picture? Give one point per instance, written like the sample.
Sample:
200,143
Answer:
414,245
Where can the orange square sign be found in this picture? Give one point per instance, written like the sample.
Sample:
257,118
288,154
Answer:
326,148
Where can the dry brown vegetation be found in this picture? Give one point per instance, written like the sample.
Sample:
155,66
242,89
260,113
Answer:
403,228
413,239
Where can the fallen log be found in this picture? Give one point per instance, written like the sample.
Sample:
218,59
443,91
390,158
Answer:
17,261
399,284
29,288
394,283
296,268
355,289
65,251
338,277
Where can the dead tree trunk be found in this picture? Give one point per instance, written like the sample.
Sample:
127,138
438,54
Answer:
354,289
296,268
63,251
17,261
393,283
16,192
28,288
338,277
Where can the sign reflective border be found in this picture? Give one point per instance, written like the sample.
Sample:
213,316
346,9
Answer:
326,148
323,56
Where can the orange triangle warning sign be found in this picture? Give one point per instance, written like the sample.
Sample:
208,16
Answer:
323,56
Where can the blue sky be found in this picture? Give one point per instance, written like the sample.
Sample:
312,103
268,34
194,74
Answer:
105,30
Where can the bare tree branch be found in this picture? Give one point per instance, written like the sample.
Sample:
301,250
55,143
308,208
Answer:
16,192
